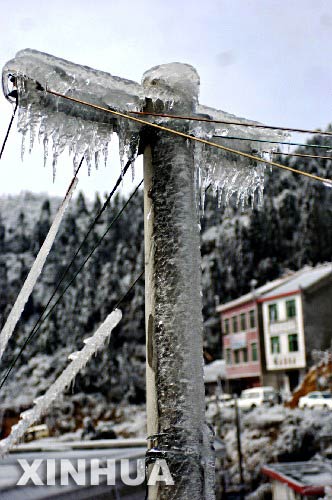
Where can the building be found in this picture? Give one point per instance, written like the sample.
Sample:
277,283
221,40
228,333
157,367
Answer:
241,338
299,480
269,334
297,318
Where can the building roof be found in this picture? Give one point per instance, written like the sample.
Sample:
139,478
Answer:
292,282
302,280
257,292
306,478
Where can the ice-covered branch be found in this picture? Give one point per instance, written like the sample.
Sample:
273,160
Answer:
34,273
79,360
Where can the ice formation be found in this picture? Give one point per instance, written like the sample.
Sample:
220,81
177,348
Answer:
79,360
34,273
84,131
87,132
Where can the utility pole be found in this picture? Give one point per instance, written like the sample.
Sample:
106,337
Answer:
175,388
174,326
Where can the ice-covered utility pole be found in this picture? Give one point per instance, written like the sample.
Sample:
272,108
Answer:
175,388
176,170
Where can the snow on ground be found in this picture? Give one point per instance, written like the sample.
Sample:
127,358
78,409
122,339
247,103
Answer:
275,434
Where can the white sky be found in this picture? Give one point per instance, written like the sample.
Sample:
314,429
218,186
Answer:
268,60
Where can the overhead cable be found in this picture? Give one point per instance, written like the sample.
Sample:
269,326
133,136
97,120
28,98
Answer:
228,122
8,129
326,181
43,318
318,146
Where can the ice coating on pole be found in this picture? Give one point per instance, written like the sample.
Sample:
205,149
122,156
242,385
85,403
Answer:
172,88
34,273
79,361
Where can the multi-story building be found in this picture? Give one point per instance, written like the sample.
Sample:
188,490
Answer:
297,318
269,334
241,339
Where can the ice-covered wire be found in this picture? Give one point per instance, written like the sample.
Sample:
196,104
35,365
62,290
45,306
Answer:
317,146
79,360
65,272
227,122
43,318
327,182
79,248
8,129
299,154
34,272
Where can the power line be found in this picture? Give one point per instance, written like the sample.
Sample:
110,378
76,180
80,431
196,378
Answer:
8,129
318,146
227,122
197,139
129,290
43,318
92,225
299,154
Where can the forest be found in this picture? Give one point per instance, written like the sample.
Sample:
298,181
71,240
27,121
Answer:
292,229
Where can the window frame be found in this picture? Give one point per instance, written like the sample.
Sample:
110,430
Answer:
226,326
273,307
236,356
235,324
243,322
275,337
296,342
252,350
252,318
289,304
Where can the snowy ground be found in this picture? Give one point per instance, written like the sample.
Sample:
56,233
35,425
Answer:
269,435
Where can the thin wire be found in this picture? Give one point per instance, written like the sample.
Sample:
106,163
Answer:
197,139
8,129
41,321
92,225
274,142
299,154
227,122
129,289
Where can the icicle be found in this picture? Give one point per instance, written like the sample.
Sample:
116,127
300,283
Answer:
42,404
87,132
34,273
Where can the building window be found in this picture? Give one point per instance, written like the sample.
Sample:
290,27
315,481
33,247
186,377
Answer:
228,356
245,355
243,321
235,326
226,326
290,308
252,318
273,312
237,357
275,345
293,344
254,351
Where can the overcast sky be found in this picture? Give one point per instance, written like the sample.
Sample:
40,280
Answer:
269,60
